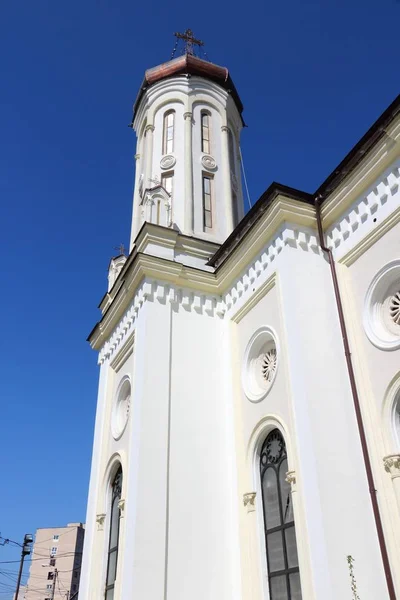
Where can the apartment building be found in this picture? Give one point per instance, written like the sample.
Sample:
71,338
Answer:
55,567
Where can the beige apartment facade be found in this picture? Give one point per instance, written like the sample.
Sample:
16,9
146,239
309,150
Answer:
55,567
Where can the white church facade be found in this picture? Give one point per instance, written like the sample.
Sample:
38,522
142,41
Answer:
247,435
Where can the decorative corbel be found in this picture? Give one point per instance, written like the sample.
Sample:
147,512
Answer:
121,506
392,465
249,501
291,478
100,518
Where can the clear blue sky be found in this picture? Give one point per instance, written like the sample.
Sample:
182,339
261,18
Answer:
313,76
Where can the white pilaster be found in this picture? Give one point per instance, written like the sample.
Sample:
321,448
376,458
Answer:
226,171
188,174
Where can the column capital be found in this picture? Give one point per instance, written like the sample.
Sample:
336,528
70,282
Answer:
121,506
291,478
137,156
392,465
100,518
249,501
188,115
149,127
225,128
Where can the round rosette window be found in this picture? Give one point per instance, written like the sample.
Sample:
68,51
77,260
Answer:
260,364
121,408
382,308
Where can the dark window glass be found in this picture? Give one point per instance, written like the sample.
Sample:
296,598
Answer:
280,535
114,535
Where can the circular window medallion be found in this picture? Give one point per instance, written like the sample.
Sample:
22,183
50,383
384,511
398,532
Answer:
167,161
121,408
260,364
382,308
208,162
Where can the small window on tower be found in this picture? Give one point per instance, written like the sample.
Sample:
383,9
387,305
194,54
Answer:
207,202
205,132
52,562
168,134
55,538
53,550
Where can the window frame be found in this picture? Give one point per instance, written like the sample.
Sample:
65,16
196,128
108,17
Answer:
204,141
168,143
116,491
262,468
211,210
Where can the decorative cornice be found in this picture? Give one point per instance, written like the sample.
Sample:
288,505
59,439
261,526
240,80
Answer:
100,518
253,276
152,290
392,465
374,206
249,501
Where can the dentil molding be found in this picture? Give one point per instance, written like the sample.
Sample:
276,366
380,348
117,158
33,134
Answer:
392,465
250,279
372,207
158,291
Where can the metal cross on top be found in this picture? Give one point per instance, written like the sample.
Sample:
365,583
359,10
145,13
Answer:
189,40
121,249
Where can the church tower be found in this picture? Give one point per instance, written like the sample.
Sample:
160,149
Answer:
161,480
187,118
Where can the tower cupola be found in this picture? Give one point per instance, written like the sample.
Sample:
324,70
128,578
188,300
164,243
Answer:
188,120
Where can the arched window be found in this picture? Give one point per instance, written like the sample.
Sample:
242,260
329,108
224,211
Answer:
168,133
280,536
114,535
205,132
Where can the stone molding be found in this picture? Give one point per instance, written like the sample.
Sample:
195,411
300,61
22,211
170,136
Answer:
249,501
375,205
159,291
224,128
188,115
100,518
208,162
291,478
150,127
121,506
249,280
392,465
168,161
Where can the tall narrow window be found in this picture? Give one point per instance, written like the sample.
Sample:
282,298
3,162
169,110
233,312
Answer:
207,202
205,132
280,536
168,134
114,535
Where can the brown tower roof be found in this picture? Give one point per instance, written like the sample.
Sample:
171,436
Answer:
188,64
